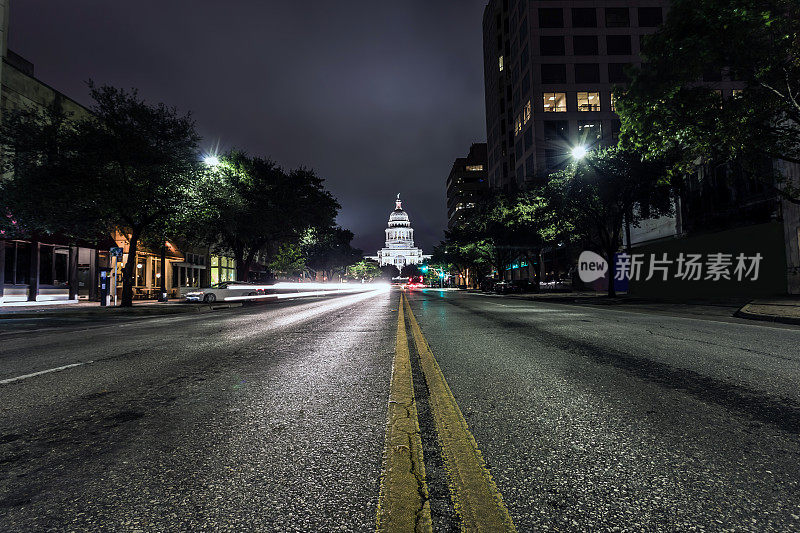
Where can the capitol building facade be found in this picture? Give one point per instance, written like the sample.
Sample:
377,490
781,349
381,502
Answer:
399,250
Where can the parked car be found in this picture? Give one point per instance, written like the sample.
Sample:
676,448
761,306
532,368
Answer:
505,287
221,291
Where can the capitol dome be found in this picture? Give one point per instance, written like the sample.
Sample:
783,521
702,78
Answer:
399,217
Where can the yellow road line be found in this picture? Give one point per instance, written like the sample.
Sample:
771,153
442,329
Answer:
475,495
403,502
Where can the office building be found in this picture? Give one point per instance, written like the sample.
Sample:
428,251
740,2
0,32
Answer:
466,184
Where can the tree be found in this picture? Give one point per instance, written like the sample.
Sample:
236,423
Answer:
588,202
288,261
251,207
144,162
410,271
364,270
389,271
667,114
129,167
464,255
501,228
328,250
44,190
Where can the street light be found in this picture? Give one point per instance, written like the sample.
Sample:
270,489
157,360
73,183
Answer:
211,160
579,152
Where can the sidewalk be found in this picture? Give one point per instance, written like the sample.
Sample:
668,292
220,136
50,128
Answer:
94,309
785,310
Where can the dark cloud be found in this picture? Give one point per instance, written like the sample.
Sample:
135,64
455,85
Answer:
379,97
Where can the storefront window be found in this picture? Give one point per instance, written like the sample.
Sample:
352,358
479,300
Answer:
140,272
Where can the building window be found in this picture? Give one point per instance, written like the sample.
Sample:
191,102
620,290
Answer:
613,103
554,73
584,17
528,139
556,130
585,45
616,126
553,158
525,85
737,93
616,73
588,101
650,17
589,132
526,113
551,17
529,170
555,102
222,269
551,45
141,273
518,125
587,73
474,168
617,17
618,45
500,63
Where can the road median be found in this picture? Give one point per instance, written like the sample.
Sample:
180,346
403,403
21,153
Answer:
403,502
476,498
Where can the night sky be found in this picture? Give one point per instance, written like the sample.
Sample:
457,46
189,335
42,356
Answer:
378,97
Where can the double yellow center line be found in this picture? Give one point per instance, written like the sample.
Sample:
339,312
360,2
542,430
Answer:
403,502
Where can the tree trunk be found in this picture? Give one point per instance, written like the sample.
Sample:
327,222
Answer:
238,256
128,278
72,275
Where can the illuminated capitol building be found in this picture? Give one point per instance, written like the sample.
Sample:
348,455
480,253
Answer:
399,250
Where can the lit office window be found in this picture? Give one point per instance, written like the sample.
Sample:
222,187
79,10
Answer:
589,131
613,103
500,63
526,114
555,102
518,125
588,101
474,168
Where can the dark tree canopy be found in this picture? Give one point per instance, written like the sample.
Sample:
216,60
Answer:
251,206
129,167
668,113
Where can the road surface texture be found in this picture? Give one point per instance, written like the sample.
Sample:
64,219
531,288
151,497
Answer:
274,418
265,419
596,419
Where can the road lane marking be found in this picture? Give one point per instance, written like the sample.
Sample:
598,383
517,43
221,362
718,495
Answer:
49,370
403,502
475,495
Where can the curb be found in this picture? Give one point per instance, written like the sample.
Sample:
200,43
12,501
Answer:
122,311
744,313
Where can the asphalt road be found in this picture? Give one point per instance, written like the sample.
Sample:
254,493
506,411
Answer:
261,419
273,418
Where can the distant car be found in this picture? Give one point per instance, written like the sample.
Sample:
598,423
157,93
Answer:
221,291
504,287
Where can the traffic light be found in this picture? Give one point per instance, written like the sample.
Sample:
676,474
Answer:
424,269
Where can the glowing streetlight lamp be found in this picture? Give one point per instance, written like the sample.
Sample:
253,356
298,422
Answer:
579,152
211,160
